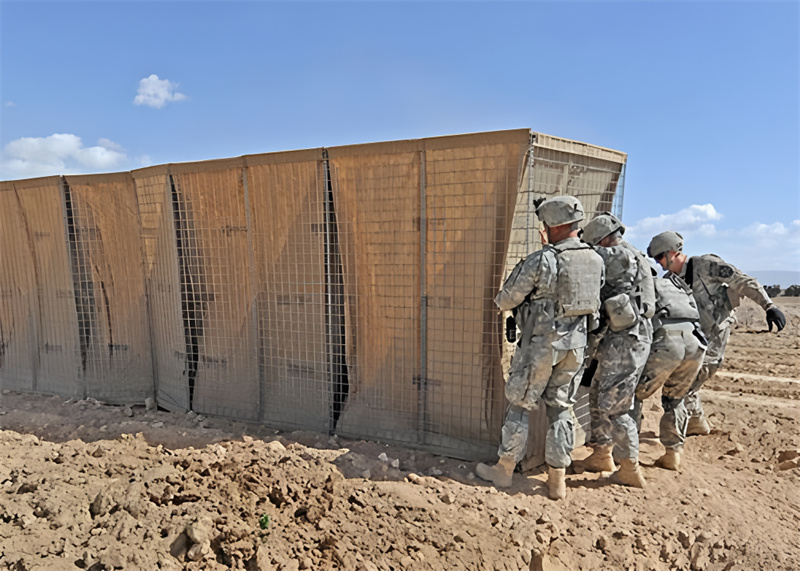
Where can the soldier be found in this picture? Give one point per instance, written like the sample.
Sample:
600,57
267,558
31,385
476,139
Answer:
628,303
717,288
676,356
553,292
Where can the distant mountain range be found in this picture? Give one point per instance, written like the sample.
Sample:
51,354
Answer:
782,278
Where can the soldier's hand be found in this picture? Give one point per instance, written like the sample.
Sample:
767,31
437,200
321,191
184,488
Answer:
775,316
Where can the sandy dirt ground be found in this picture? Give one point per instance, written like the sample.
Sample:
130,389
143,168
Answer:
89,486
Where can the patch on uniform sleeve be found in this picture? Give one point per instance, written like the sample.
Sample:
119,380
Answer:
723,271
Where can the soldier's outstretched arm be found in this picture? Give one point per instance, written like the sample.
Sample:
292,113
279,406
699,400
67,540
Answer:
746,286
749,287
739,282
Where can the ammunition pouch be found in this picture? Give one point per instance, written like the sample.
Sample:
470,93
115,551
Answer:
621,312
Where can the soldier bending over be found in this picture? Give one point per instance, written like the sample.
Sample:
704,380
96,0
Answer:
717,288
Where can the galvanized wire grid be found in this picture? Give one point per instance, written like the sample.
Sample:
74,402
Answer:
374,290
160,232
470,197
423,236
214,271
104,236
287,206
40,349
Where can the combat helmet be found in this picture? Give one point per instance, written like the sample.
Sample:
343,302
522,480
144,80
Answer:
560,210
599,227
665,242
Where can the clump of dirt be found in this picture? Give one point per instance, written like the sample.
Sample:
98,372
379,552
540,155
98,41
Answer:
94,487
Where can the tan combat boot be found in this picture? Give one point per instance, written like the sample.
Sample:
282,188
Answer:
698,425
556,483
671,460
628,474
600,460
500,474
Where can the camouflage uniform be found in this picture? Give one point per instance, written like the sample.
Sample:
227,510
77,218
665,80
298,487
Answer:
548,361
676,355
717,288
621,355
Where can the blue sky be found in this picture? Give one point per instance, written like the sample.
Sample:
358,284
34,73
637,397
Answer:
703,96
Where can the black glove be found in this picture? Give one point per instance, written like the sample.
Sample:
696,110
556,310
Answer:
775,315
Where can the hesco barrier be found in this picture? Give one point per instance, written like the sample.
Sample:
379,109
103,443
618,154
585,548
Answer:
347,289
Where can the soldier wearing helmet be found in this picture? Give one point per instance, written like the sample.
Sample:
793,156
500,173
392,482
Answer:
717,288
628,303
553,293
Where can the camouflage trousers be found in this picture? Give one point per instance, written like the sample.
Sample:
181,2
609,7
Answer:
717,341
676,356
621,357
561,371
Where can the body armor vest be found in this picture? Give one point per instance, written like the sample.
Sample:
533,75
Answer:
674,299
580,275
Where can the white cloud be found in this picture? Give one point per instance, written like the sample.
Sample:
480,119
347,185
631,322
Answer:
774,231
155,92
759,246
695,219
61,153
10,104
109,144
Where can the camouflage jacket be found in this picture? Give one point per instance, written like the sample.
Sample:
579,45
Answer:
717,288
531,288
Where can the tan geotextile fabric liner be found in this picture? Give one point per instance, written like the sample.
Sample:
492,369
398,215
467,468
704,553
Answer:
49,324
234,262
211,194
108,262
163,286
19,304
376,195
288,232
472,184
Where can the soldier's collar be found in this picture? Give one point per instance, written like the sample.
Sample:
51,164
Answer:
686,272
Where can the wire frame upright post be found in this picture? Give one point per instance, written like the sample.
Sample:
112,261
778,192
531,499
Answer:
423,302
620,194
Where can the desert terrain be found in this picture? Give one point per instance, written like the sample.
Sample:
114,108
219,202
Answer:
89,486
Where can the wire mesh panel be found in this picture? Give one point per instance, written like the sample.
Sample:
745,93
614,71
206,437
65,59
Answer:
376,212
19,302
214,264
586,172
288,228
53,330
104,237
348,290
163,285
470,192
